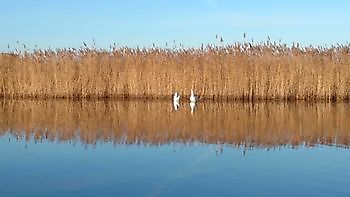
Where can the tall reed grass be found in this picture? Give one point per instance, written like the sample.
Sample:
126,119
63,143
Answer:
244,71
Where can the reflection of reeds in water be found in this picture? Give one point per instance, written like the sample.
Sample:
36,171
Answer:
246,124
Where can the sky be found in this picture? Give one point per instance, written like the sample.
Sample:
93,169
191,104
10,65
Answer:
69,23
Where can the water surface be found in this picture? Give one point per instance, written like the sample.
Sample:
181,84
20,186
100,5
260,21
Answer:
136,148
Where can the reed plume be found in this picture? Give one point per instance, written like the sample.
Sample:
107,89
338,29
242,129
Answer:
245,71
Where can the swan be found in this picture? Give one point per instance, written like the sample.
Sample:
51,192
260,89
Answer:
176,97
193,97
176,101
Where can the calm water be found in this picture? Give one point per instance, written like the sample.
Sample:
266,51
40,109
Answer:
118,148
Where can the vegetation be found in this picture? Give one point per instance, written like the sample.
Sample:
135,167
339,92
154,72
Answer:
244,71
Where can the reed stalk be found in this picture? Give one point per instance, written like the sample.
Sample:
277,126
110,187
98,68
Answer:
240,71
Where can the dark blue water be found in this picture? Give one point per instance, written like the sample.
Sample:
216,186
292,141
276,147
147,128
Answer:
54,168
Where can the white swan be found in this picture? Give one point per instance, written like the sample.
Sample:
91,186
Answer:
176,101
193,97
176,97
193,100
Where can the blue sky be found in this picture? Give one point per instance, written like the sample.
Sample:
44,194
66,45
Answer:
67,23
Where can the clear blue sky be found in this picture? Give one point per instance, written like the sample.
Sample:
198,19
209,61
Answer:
67,23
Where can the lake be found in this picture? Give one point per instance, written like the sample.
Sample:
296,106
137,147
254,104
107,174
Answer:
150,148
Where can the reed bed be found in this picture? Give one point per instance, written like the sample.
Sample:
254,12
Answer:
240,71
132,122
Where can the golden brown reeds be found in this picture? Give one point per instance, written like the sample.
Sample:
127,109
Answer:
132,122
239,71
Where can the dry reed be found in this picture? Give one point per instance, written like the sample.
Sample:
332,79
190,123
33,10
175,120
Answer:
244,71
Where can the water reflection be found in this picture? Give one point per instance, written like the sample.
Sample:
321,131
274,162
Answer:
192,107
137,122
176,105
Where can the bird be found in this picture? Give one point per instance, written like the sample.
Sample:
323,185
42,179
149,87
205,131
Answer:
193,98
176,97
176,101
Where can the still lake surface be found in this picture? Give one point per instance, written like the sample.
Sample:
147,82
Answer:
147,148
